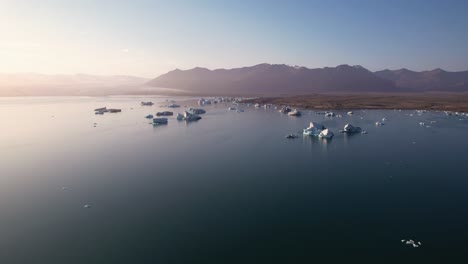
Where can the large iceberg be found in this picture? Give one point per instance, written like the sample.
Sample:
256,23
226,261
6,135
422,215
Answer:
326,133
314,129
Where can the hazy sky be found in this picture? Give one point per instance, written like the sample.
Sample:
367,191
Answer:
147,38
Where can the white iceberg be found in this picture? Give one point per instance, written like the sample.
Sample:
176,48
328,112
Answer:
314,129
326,133
329,114
350,113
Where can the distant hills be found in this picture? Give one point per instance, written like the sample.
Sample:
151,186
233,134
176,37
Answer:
34,84
276,79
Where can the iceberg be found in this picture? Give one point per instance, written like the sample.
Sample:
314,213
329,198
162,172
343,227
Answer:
329,114
173,106
285,110
147,103
291,136
115,110
102,109
188,117
348,128
240,110
159,121
149,116
350,113
180,117
196,111
294,113
326,133
232,108
314,129
165,113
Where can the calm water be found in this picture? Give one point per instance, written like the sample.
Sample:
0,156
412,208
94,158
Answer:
229,188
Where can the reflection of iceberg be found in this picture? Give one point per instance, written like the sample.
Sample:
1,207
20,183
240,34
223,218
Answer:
326,133
348,128
314,129
160,121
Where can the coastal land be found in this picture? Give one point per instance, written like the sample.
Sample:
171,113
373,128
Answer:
456,102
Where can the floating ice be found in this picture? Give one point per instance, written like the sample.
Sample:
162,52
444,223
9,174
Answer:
348,128
314,129
326,133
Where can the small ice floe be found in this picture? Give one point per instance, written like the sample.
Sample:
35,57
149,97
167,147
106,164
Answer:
159,121
64,188
232,108
314,129
291,136
257,105
180,117
379,123
411,243
330,114
350,129
114,110
364,132
147,103
173,106
240,110
285,110
102,109
164,113
196,111
384,119
203,101
87,206
350,113
326,133
149,116
295,113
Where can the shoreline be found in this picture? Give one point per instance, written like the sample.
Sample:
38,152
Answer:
434,102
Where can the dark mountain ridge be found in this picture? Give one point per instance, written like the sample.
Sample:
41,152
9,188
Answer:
284,79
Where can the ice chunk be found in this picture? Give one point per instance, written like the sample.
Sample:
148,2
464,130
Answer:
326,133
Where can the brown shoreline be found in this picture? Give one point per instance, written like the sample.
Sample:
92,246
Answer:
457,102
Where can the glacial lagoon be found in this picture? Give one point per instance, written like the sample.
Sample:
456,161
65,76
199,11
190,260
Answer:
76,187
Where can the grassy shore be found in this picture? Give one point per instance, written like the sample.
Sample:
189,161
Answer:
427,101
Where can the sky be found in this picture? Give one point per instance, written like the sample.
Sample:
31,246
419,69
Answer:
149,38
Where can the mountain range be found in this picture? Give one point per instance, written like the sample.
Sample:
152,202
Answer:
275,79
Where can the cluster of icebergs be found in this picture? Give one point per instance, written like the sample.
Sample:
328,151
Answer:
319,130
411,243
